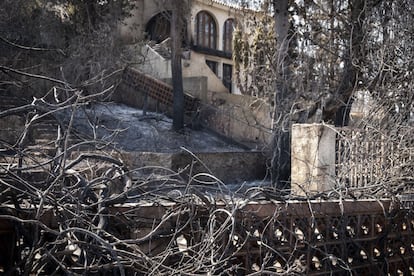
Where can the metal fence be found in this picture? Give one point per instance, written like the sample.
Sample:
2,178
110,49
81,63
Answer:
371,160
364,237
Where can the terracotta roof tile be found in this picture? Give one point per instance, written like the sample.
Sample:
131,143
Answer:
230,5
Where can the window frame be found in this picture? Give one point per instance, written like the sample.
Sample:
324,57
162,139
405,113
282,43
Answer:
206,30
228,29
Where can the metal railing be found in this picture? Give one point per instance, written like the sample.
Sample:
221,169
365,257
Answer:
371,159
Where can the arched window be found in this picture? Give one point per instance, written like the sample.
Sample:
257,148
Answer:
159,27
206,30
229,26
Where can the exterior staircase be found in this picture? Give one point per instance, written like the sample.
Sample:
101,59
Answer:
163,49
42,135
231,166
143,91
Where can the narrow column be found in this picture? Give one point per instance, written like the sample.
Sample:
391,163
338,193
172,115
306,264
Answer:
313,158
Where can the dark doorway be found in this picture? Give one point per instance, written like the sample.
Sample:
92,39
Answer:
227,76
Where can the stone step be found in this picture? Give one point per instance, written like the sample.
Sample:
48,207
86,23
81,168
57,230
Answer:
41,150
50,136
43,141
162,51
46,140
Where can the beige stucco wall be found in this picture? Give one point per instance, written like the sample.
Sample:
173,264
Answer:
154,64
244,119
197,67
160,68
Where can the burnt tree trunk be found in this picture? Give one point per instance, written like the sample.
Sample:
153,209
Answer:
280,162
337,109
177,74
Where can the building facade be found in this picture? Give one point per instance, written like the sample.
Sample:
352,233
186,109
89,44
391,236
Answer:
207,42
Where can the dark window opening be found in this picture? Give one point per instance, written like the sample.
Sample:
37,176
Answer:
227,76
229,26
206,30
213,66
159,27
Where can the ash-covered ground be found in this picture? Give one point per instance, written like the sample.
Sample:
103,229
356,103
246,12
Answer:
128,129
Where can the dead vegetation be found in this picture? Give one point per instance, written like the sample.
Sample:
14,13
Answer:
75,207
69,204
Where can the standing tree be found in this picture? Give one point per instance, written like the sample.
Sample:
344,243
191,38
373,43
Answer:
175,12
177,26
328,50
281,139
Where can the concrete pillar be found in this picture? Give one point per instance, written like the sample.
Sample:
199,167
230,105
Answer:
313,158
